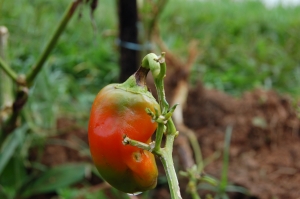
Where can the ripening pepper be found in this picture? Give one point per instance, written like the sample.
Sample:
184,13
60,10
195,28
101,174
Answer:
119,110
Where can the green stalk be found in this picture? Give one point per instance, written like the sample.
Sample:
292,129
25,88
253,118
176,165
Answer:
157,67
154,19
167,161
7,69
27,81
224,176
195,195
141,145
3,45
197,150
52,42
159,136
159,84
6,86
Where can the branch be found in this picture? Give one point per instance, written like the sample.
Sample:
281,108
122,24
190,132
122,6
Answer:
52,42
11,123
25,82
156,14
141,145
3,45
6,86
157,67
7,69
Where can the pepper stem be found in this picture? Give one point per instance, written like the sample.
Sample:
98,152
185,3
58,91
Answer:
141,76
157,67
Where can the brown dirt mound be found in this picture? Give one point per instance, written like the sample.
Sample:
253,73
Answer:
265,144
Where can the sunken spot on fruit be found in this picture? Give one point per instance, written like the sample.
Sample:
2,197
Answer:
137,156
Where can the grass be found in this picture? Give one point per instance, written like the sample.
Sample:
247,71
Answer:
244,45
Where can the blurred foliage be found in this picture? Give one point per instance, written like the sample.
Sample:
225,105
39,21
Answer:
65,87
72,75
243,45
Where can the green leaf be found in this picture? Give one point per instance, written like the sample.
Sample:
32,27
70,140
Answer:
239,189
98,194
13,177
119,194
208,187
9,146
224,177
56,178
68,193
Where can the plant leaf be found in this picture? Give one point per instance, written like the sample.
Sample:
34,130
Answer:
224,177
9,146
56,178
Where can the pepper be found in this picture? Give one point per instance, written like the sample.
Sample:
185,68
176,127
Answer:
119,110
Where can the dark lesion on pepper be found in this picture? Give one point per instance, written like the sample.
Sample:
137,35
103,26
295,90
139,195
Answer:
141,75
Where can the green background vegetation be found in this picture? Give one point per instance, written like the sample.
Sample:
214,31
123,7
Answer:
243,46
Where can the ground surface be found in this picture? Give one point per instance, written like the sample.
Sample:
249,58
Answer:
265,143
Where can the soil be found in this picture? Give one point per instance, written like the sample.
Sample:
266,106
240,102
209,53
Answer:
265,142
264,149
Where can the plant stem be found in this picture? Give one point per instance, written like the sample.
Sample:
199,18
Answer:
157,10
150,62
166,153
192,185
195,195
159,136
166,157
167,161
197,150
224,177
52,42
157,67
7,69
159,83
6,86
141,145
26,82
3,45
